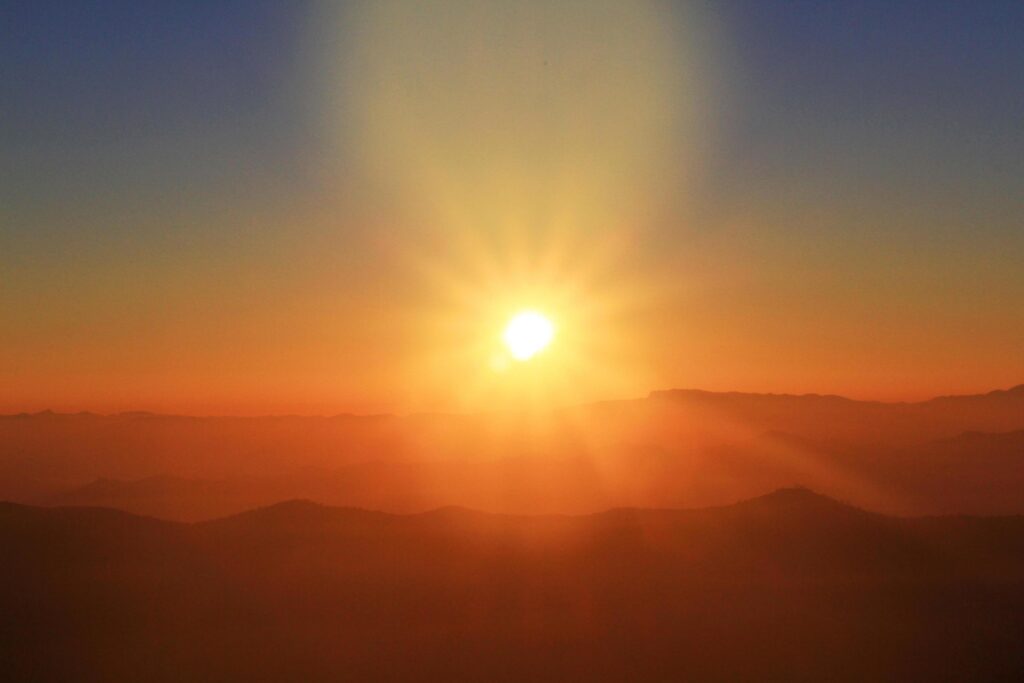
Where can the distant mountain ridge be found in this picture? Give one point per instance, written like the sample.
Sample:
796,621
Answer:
1016,391
678,448
759,520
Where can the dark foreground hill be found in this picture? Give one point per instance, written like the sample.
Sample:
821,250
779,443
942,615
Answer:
788,586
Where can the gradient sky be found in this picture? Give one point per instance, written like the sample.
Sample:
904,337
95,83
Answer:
262,207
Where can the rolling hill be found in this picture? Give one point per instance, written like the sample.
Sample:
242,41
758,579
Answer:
787,586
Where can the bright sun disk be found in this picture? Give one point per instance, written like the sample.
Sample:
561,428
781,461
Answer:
527,333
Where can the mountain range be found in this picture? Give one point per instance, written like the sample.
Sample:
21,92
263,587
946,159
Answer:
948,455
787,586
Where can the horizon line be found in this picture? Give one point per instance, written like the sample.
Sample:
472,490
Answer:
653,394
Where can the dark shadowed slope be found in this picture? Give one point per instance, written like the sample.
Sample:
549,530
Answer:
788,586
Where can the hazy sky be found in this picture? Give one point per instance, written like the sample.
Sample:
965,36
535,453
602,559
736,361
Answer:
259,207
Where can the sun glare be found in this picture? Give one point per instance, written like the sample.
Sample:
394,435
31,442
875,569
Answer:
527,333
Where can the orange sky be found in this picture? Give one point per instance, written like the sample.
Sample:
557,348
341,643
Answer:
344,221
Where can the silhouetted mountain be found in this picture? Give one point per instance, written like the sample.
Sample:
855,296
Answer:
179,498
839,419
673,449
791,585
799,501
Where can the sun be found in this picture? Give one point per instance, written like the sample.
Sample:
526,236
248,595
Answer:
527,333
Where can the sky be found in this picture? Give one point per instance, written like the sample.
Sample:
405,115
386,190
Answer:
305,207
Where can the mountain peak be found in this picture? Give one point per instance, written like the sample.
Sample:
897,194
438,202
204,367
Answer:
795,498
298,513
